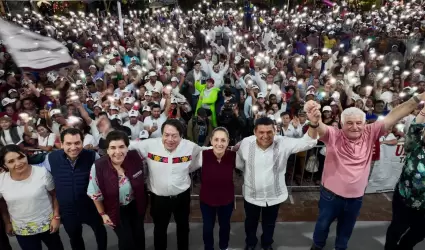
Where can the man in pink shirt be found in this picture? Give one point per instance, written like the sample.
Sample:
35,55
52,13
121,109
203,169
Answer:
347,167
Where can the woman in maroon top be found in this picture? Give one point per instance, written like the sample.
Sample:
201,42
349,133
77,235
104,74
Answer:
217,190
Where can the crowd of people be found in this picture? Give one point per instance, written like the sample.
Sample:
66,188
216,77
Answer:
143,106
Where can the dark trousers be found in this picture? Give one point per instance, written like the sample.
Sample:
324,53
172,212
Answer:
4,239
333,207
162,207
194,102
209,214
268,222
130,230
33,242
74,228
406,228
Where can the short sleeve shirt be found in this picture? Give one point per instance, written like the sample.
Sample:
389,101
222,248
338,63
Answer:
347,162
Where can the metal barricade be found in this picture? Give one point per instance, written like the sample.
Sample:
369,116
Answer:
296,182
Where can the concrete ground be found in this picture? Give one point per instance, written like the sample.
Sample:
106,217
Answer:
288,236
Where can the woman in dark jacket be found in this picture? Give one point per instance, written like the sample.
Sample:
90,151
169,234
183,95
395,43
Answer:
117,189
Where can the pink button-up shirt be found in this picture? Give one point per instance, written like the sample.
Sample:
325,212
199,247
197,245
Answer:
347,163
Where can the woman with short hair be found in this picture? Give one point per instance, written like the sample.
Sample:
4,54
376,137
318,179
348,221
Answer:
117,189
32,209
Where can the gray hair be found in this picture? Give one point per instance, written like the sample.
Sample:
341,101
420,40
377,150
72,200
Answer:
352,112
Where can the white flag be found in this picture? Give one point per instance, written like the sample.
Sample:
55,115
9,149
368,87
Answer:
31,51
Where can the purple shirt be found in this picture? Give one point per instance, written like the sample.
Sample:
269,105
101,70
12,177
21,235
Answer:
217,187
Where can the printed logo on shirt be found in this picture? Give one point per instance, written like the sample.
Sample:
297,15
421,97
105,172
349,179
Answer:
182,159
137,174
158,158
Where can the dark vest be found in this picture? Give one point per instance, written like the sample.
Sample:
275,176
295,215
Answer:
71,183
13,134
107,178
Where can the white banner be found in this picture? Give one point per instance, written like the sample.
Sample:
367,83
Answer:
387,170
31,51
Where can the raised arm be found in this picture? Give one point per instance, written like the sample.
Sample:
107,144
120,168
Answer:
402,110
316,127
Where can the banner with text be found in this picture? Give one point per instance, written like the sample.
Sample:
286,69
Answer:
386,171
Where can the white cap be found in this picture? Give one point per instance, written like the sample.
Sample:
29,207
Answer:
92,66
310,93
310,87
11,90
129,49
133,113
148,93
155,90
261,95
327,108
7,101
113,107
293,78
152,73
255,86
54,112
174,101
271,117
129,100
333,103
146,108
144,134
113,117
97,105
315,54
174,79
89,99
79,82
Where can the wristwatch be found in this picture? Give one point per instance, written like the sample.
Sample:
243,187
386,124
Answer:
417,100
56,217
102,214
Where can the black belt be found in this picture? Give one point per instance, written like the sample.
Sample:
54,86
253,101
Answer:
339,196
173,196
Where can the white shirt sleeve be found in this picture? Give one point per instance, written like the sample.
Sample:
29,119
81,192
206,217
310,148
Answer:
51,140
48,180
140,146
295,145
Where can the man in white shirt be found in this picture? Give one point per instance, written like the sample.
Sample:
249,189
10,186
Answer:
169,161
263,157
218,75
153,83
134,124
153,123
290,128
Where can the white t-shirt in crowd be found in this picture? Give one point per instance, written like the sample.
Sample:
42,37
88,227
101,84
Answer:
90,140
28,201
149,122
47,141
135,129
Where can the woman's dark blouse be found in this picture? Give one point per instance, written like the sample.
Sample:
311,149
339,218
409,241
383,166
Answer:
217,187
